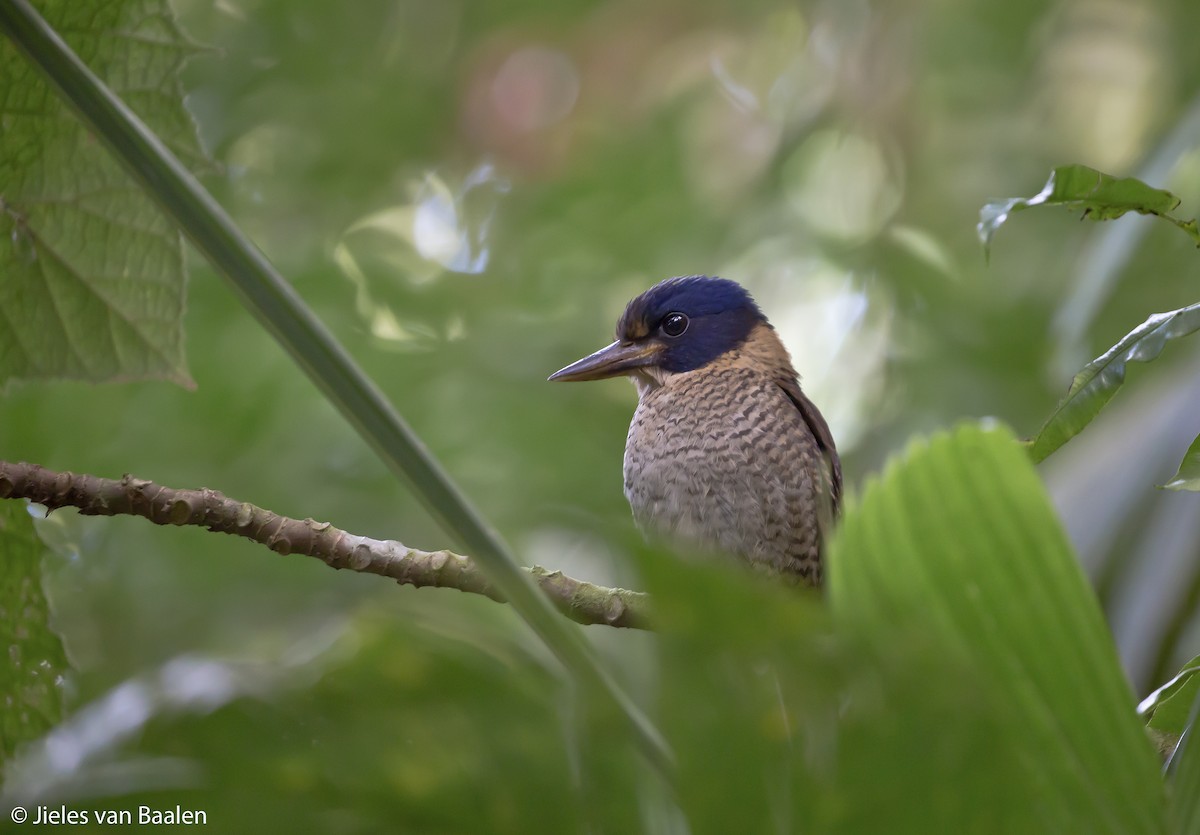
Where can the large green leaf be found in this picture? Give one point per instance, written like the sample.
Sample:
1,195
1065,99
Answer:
31,677
1100,379
1098,195
92,281
958,542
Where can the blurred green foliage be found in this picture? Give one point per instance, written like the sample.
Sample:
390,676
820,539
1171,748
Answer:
468,194
31,688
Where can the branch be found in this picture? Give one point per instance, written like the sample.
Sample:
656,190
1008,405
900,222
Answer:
94,496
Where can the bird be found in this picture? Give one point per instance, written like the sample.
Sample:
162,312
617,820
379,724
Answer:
725,453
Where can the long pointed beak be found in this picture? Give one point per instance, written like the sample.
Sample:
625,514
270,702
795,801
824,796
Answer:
617,359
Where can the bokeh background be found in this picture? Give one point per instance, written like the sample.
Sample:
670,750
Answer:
469,192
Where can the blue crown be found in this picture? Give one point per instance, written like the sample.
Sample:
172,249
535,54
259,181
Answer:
721,315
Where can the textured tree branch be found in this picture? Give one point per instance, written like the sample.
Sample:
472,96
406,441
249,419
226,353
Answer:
94,496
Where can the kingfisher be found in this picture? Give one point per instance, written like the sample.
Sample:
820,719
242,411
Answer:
725,453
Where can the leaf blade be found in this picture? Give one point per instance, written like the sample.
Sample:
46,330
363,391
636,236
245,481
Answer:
1098,195
95,278
1183,777
1166,709
1187,477
1101,378
958,541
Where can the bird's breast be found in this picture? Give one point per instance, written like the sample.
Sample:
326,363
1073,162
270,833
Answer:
723,460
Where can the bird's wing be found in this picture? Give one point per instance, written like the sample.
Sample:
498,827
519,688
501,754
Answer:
820,430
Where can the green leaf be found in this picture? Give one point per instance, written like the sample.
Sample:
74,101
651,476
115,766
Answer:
1100,379
31,677
1167,708
958,542
1183,777
1100,196
92,281
1188,475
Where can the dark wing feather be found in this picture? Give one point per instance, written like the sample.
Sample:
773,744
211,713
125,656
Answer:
820,430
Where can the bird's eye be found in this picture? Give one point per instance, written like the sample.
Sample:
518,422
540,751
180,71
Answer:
674,324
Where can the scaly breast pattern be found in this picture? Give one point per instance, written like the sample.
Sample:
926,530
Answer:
722,459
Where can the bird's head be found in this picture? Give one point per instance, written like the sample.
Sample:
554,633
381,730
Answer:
678,325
